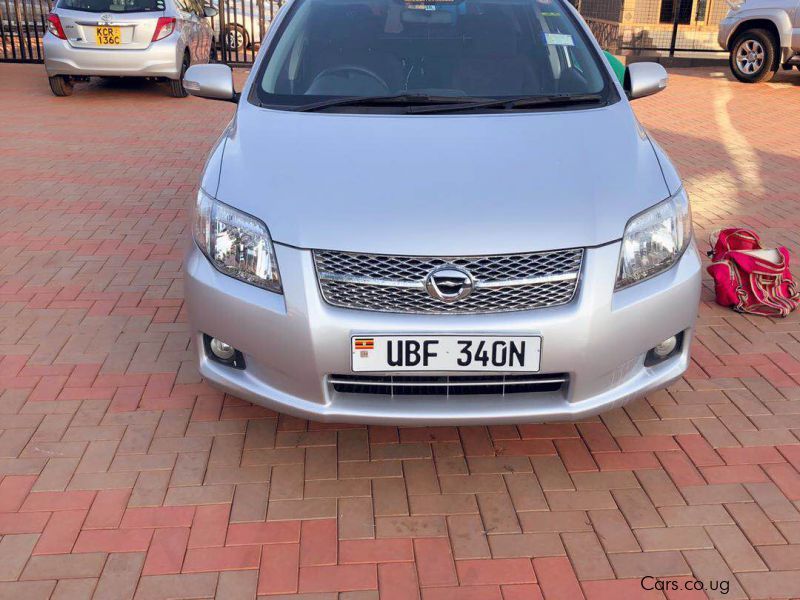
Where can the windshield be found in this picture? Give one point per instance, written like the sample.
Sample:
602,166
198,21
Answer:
113,6
466,49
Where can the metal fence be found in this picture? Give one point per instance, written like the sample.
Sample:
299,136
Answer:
654,26
22,25
624,26
239,28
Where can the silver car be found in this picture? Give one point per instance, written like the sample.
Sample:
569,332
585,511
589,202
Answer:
439,212
762,36
131,38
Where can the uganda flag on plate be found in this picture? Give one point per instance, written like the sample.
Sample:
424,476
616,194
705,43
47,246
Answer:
364,344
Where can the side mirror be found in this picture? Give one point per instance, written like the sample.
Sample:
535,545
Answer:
210,81
644,79
210,11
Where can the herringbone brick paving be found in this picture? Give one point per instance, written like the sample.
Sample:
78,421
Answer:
124,474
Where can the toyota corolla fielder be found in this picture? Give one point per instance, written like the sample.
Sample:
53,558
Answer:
438,212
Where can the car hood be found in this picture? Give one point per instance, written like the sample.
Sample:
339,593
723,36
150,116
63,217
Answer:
441,184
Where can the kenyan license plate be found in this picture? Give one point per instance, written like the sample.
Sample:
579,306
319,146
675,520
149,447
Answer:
445,353
108,35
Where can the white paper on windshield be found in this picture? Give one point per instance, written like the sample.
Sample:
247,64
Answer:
558,39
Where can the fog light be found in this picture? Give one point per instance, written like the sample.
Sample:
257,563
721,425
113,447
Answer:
222,350
666,347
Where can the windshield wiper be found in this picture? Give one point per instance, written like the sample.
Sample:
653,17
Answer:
394,100
513,103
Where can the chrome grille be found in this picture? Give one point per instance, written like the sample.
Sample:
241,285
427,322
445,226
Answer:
453,385
510,282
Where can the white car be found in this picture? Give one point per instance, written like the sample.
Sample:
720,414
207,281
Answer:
762,36
440,213
130,38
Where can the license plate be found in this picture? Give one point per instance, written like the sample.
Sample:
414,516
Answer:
445,353
108,35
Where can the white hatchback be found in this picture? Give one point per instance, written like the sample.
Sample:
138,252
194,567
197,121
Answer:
126,38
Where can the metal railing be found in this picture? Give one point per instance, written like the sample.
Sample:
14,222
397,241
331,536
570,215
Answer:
22,26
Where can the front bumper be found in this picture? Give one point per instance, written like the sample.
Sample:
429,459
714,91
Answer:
160,59
293,343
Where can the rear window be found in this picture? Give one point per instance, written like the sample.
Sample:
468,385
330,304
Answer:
113,6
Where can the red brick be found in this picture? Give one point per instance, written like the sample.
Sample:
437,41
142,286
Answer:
341,578
318,542
532,447
157,516
754,455
495,571
376,551
397,581
464,592
107,509
575,455
556,577
13,490
166,552
597,437
547,431
680,468
11,523
271,532
61,532
279,570
230,558
114,540
792,454
522,591
734,474
435,565
626,461
210,525
646,443
54,501
619,589
786,478
699,450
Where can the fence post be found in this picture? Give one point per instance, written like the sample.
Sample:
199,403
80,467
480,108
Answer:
676,17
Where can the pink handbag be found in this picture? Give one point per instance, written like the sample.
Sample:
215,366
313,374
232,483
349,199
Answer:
749,278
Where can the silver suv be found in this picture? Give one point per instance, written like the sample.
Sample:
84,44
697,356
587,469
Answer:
439,212
762,36
131,38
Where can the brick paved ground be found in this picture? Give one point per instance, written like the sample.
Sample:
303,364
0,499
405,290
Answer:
121,470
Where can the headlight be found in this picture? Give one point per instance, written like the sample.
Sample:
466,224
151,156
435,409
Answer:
735,4
236,243
654,240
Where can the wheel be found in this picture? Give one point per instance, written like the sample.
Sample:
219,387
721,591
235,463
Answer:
176,88
236,38
60,85
754,57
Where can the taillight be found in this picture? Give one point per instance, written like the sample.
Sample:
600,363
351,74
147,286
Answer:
164,27
54,26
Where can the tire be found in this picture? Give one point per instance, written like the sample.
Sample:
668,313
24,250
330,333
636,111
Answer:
176,88
754,56
60,85
235,39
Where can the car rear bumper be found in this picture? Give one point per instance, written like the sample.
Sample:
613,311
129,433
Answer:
293,343
161,59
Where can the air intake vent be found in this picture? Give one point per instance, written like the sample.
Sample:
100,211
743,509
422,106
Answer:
453,385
